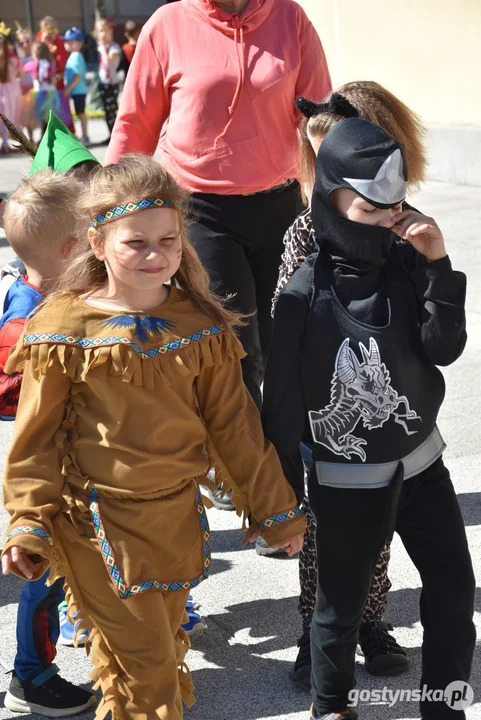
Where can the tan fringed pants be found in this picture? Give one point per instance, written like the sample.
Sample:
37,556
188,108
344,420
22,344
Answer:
138,645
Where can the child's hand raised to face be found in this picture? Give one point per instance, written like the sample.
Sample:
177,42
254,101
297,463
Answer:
422,232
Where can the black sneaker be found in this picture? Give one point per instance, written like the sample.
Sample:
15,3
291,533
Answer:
56,697
301,672
222,502
383,656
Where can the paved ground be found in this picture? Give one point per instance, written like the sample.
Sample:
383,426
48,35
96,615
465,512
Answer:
240,664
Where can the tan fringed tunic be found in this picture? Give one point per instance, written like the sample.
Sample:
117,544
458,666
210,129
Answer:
120,416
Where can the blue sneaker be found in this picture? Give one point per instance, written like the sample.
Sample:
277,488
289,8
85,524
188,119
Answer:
67,630
196,623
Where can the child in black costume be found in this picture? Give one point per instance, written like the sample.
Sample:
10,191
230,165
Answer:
358,332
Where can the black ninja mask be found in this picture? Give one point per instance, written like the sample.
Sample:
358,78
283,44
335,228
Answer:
359,156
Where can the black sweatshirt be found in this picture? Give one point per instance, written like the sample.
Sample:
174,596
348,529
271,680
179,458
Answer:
359,329
299,374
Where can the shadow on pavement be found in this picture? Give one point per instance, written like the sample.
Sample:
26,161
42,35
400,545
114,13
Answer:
241,684
10,589
230,541
219,566
403,606
470,504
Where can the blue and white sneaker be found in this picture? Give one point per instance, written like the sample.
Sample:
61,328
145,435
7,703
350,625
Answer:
196,623
67,630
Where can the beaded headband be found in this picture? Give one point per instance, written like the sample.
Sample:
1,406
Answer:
129,208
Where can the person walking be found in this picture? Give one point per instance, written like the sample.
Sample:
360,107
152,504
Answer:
225,75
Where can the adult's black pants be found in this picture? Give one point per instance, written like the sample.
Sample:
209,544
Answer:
429,522
239,239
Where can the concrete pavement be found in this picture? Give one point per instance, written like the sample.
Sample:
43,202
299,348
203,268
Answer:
240,665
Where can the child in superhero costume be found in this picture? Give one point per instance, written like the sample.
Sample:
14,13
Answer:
358,332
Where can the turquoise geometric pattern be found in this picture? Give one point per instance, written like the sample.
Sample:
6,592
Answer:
127,209
118,340
125,591
30,530
280,518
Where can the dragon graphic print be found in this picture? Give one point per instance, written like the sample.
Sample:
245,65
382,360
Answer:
360,391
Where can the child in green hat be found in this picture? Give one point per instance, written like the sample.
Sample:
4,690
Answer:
61,151
58,150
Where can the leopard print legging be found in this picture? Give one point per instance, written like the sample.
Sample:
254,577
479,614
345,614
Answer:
380,585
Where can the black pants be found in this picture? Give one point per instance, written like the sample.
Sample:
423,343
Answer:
239,239
429,522
109,95
378,591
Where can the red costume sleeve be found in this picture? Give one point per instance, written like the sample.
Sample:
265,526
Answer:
61,56
9,384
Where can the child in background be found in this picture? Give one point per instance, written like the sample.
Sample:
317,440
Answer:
50,35
131,32
41,231
109,62
10,93
112,341
24,49
74,79
369,319
383,655
44,97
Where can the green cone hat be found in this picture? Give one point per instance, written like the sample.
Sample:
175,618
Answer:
59,149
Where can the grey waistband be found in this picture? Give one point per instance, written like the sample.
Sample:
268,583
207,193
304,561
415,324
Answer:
362,475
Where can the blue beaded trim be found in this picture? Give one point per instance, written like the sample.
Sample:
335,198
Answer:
30,530
118,340
127,209
280,518
125,591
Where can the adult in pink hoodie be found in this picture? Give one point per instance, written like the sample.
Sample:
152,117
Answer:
225,76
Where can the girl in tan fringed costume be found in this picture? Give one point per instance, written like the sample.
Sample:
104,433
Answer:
132,389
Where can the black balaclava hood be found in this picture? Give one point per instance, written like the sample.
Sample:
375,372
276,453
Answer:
359,156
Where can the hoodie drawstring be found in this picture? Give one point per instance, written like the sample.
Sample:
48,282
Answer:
240,52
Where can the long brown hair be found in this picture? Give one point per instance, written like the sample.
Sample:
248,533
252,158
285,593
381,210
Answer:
43,51
376,104
134,177
4,44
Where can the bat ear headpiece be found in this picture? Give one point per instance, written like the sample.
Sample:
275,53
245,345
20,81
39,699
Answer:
337,105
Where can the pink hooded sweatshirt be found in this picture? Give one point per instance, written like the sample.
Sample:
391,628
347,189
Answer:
227,85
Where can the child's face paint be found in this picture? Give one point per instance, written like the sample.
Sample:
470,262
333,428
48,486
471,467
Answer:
141,251
353,207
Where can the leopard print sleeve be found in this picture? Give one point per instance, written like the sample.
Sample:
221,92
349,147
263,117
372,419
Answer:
299,243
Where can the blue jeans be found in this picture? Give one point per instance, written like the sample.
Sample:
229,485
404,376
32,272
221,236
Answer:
38,627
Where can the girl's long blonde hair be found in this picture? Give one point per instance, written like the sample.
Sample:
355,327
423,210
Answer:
376,104
132,178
